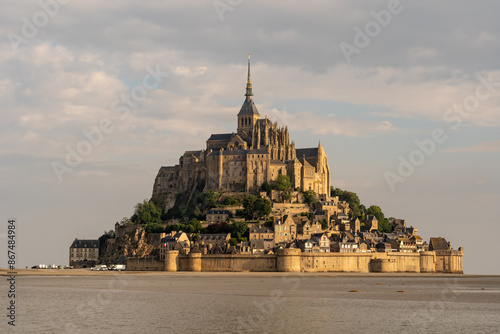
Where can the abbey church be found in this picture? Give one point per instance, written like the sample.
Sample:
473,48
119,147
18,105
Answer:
242,161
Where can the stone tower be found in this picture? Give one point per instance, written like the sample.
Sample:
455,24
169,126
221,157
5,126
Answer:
248,115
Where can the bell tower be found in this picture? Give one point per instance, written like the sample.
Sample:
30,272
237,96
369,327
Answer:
248,115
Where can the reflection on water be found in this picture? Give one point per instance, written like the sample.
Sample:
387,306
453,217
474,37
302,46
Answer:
256,303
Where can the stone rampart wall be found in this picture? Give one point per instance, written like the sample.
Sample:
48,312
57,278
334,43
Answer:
291,260
238,262
144,264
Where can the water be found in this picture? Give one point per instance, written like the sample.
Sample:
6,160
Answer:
254,303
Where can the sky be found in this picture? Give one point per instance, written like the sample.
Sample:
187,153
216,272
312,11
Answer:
98,95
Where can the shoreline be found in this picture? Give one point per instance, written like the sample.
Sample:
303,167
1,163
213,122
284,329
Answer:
88,272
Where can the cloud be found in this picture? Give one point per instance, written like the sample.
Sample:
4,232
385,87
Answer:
486,147
322,125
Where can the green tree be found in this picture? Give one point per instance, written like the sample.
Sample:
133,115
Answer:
349,197
266,187
196,224
284,186
210,199
249,206
154,228
238,229
256,207
383,224
230,200
262,207
310,197
146,213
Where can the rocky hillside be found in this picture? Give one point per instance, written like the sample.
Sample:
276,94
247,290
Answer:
132,244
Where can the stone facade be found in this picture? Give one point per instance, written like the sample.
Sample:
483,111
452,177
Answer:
258,152
83,253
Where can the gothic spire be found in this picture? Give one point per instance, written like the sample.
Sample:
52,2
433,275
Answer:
249,82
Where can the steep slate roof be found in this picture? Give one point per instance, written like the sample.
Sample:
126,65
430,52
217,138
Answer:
221,136
308,152
248,107
438,244
85,244
305,163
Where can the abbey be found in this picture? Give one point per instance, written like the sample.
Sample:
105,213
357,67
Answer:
242,161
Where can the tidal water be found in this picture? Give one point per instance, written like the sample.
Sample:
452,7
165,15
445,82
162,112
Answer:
254,303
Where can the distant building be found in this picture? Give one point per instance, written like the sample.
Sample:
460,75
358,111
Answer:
259,151
261,233
371,223
83,253
285,230
175,241
217,216
213,243
439,244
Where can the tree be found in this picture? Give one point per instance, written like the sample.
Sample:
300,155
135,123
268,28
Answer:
230,200
238,229
266,187
349,197
210,199
262,207
249,206
284,185
256,207
310,197
216,228
196,224
383,224
146,213
154,228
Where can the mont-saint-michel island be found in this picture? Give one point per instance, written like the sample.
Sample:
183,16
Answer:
254,200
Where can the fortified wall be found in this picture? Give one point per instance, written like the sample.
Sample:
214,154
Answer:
293,260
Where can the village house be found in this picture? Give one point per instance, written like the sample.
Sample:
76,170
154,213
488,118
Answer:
213,243
309,246
217,216
175,241
370,223
323,242
262,246
309,228
344,246
285,230
83,253
260,233
403,245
